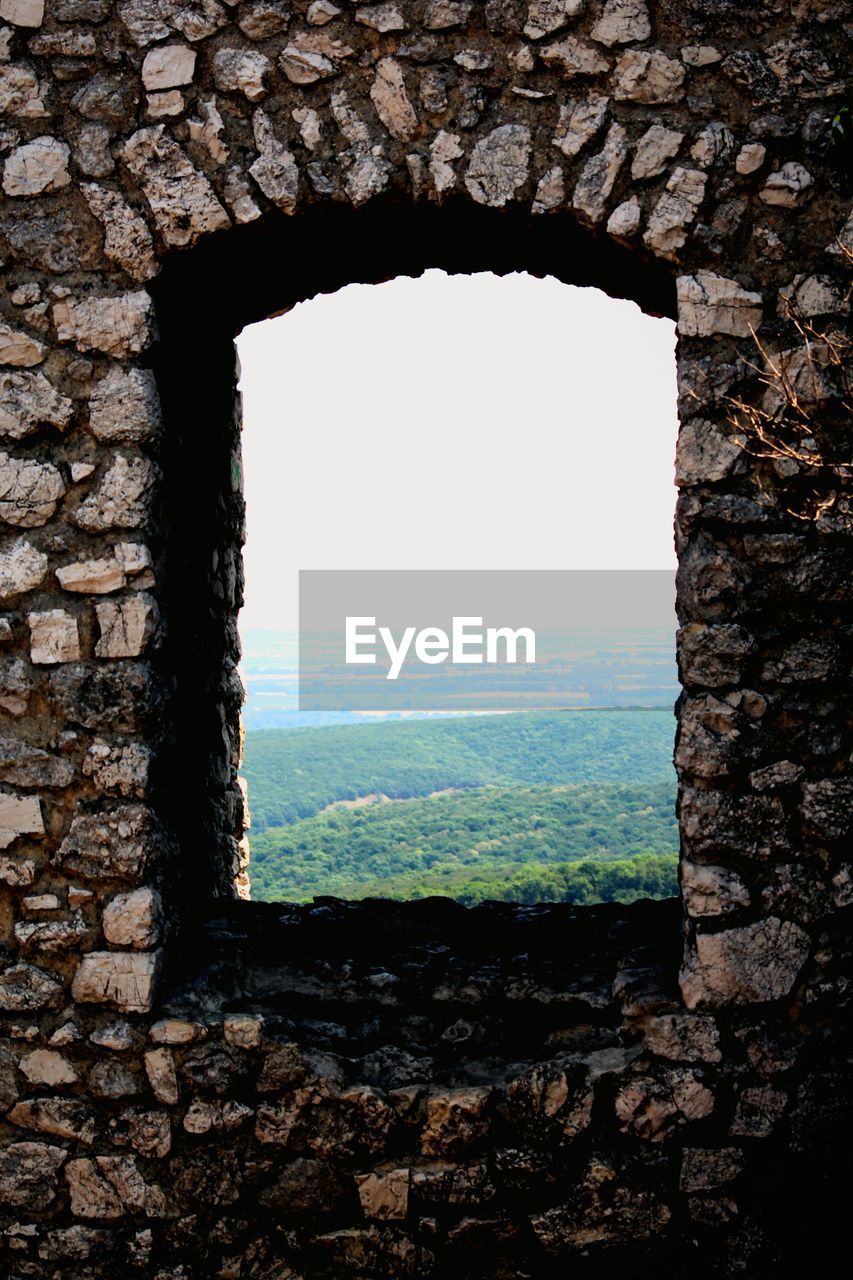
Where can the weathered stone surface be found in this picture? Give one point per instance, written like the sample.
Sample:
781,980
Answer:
499,165
121,499
26,766
160,1069
129,565
27,400
543,16
109,846
54,637
708,304
120,978
19,815
705,1170
168,66
24,988
275,169
22,568
703,453
392,103
127,240
29,1174
241,71
46,1066
711,891
655,149
117,326
675,211
758,962
579,121
572,57
654,1107
133,919
29,491
22,352
683,1037
384,1195
598,176
51,937
787,187
109,1187
181,198
455,1120
648,76
37,167
127,626
60,1117
22,13
118,770
622,22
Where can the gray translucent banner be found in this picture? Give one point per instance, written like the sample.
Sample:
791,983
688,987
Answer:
491,640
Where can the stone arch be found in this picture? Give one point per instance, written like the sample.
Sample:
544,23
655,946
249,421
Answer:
160,164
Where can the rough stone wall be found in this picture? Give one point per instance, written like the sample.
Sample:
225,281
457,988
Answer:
386,1091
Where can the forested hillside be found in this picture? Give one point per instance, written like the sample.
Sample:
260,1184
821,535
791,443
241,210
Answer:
294,773
529,807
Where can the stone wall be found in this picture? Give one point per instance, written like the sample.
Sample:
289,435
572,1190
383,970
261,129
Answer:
195,1086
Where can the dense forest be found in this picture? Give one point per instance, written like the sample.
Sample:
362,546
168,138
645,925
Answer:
529,807
294,773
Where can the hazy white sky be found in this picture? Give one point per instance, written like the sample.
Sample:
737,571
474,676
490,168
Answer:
465,422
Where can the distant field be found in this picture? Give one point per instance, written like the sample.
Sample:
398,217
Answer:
530,807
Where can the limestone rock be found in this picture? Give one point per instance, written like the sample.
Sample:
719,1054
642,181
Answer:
46,1066
24,988
26,766
22,13
550,191
709,304
703,453
546,16
243,1031
118,770
788,186
109,846
275,169
22,568
499,165
177,1031
621,22
444,148
124,406
127,239
684,1037
579,122
648,76
181,198
109,1187
598,176
654,1107
624,221
29,491
389,97
28,400
133,919
127,626
757,1112
168,66
125,979
22,352
381,17
17,873
15,687
656,147
241,71
121,499
28,1175
572,57
53,637
384,1195
675,211
19,815
750,157
756,963
117,326
60,1117
129,565
160,1069
321,11
37,167
51,937
455,1118
711,891
112,1078
20,93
